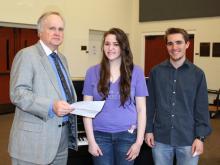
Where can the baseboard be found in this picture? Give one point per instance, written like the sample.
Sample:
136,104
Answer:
7,108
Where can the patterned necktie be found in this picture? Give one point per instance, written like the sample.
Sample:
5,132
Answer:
62,78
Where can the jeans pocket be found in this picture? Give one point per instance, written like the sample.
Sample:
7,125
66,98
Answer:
102,137
129,137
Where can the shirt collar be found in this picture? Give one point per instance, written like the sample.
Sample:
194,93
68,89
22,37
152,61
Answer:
46,48
185,63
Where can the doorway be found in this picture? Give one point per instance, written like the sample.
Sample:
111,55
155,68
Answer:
11,41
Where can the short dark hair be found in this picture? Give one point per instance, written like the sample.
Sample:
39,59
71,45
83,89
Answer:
170,31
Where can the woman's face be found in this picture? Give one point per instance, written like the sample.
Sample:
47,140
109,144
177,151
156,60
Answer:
112,49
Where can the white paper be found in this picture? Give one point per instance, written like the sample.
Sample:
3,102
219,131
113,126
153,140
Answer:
195,154
87,108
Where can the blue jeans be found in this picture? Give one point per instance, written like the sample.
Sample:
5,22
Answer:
114,147
163,154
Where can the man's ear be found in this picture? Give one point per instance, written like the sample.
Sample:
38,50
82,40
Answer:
187,44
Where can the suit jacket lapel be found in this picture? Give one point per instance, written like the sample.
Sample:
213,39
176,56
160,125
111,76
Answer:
48,68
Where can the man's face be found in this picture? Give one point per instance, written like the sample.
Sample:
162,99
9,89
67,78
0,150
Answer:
52,31
176,47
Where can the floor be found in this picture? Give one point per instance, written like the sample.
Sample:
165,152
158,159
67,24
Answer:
211,155
5,125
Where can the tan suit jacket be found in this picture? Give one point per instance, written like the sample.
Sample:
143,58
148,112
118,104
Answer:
34,136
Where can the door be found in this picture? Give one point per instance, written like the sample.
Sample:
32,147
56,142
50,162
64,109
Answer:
6,57
11,41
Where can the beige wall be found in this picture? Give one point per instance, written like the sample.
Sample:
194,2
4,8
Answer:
26,11
205,30
90,14
80,16
101,15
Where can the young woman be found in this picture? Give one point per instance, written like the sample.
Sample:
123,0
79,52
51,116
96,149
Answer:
116,134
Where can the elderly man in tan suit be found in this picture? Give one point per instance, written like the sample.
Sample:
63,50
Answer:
39,134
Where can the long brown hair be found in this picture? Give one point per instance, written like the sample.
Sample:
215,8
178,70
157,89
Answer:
126,67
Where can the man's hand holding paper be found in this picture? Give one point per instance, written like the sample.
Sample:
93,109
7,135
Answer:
87,108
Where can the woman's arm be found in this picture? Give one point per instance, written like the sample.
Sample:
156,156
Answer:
93,147
141,124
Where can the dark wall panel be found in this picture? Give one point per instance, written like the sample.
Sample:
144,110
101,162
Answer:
177,9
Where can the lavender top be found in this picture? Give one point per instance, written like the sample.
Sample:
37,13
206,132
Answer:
113,117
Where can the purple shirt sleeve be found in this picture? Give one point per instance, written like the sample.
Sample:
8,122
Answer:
89,82
138,79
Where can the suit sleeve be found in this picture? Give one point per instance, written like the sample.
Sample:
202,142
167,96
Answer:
22,81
